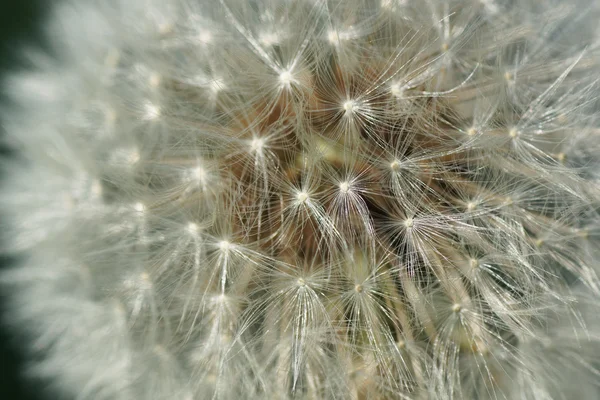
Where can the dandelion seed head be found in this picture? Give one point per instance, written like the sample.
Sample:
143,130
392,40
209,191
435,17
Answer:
309,199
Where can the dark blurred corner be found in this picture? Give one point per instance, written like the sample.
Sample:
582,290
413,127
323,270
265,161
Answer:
19,25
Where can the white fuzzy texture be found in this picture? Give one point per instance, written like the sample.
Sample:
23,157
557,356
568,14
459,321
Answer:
309,199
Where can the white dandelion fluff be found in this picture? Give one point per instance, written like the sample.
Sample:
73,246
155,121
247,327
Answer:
308,199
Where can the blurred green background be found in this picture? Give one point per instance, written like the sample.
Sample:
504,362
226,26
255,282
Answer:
19,25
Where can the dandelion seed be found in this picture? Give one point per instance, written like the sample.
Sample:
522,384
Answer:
344,187
165,28
154,80
126,156
139,207
333,37
225,246
302,197
268,38
205,37
112,58
350,107
198,175
192,228
110,116
216,85
257,144
151,111
286,78
397,90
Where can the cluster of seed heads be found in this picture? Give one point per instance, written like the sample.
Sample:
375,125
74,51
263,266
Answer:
310,199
